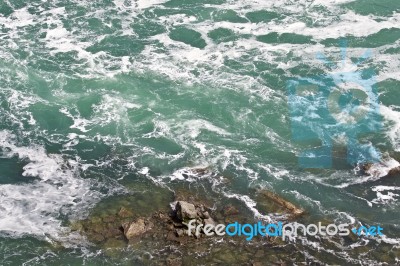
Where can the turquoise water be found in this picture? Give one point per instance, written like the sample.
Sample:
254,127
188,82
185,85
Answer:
97,96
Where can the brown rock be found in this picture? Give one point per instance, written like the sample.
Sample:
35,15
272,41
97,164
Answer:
172,237
162,216
205,215
366,167
289,207
136,228
209,221
394,171
177,224
180,232
170,227
186,210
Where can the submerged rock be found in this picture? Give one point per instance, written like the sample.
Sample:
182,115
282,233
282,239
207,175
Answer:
125,213
230,210
113,247
265,198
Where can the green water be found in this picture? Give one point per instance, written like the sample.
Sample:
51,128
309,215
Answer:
97,97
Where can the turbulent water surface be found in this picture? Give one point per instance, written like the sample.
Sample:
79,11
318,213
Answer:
97,96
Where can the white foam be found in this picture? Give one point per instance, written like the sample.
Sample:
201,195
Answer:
19,103
251,205
148,3
179,59
274,171
331,2
144,171
112,108
349,24
190,174
392,130
194,128
60,40
387,198
141,4
307,200
34,207
382,169
374,173
391,62
19,18
392,241
56,33
78,122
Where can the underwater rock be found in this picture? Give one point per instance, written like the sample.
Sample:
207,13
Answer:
287,207
113,247
230,210
125,213
99,229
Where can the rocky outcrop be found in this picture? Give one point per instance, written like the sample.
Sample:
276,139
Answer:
186,213
124,225
166,230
